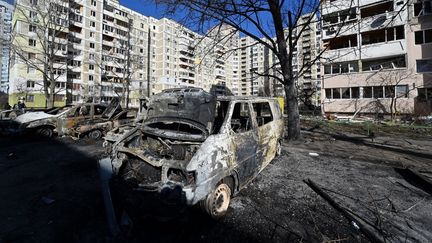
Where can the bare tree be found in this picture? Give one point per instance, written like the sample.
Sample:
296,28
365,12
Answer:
119,62
276,24
41,43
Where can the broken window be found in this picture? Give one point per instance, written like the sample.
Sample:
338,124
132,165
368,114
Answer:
422,8
402,91
240,119
343,42
385,63
263,113
367,92
389,91
99,109
336,93
355,93
221,110
345,93
378,92
377,9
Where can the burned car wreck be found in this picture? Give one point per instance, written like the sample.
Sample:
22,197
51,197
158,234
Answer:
193,148
83,119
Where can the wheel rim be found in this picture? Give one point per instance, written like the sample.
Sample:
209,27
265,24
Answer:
221,200
96,134
46,132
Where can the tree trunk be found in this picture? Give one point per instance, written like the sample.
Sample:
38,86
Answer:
292,109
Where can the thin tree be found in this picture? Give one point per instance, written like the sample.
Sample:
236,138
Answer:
43,46
120,62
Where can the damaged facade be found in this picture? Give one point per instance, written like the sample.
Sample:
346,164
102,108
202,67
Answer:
194,148
379,63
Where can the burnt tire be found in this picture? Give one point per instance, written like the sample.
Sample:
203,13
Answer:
95,134
217,202
46,132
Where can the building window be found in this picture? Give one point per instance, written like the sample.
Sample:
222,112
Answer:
93,2
92,34
378,92
30,98
93,13
422,8
423,36
367,92
424,94
91,56
92,24
355,93
92,45
30,84
32,28
402,91
91,66
32,42
424,65
386,63
33,2
90,77
33,15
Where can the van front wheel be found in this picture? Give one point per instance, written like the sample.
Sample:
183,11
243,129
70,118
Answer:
217,202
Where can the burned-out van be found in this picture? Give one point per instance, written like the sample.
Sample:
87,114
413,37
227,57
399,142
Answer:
193,148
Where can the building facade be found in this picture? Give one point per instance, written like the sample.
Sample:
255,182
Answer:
377,58
6,11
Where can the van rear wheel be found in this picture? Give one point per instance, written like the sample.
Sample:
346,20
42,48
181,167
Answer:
217,202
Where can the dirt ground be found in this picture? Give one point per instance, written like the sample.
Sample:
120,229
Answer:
49,192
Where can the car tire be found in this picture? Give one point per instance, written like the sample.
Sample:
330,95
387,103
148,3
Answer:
217,202
46,132
278,149
95,134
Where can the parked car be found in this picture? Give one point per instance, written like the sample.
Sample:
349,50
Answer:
72,121
193,148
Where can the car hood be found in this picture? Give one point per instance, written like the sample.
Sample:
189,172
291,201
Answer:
33,116
175,128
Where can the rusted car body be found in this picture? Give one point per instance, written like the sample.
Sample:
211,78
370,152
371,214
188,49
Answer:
194,148
72,121
114,116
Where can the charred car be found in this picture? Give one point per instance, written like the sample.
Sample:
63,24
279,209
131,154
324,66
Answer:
71,121
193,148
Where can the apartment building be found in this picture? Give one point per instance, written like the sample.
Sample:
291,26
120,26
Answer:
101,49
378,56
306,62
6,11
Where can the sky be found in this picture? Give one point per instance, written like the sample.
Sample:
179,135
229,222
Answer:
146,7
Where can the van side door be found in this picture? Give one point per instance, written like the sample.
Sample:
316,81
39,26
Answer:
244,141
267,134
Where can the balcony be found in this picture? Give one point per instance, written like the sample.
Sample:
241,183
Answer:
384,20
342,55
338,5
383,49
349,28
367,2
